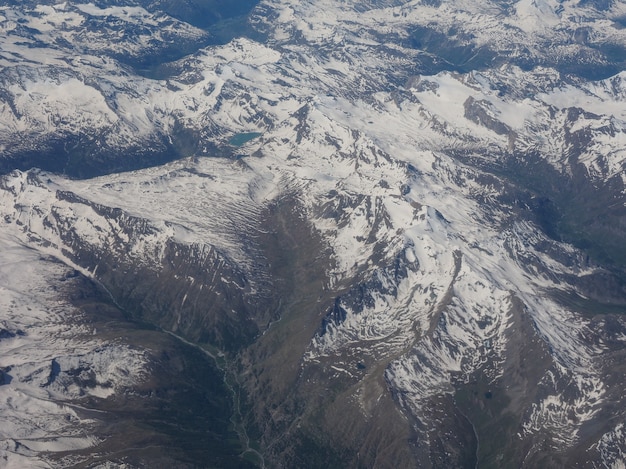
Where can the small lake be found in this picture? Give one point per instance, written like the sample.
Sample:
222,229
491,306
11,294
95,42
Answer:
238,140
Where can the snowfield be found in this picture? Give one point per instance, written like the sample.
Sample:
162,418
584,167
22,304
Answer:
399,149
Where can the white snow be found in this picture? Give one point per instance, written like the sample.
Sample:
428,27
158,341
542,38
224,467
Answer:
46,328
333,121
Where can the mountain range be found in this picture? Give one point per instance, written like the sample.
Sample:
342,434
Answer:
305,234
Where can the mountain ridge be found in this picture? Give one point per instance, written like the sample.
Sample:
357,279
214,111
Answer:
420,248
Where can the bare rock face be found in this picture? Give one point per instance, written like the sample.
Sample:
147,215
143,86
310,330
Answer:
308,234
82,384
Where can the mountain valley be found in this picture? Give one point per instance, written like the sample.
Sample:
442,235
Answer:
306,234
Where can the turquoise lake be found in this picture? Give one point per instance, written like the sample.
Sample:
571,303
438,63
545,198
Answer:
238,140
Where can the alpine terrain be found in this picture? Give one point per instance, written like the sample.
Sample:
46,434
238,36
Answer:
309,234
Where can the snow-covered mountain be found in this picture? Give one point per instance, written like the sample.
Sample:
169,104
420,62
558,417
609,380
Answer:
398,228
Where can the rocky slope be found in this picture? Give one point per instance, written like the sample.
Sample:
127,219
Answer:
399,229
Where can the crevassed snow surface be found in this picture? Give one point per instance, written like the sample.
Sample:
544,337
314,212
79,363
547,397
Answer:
359,122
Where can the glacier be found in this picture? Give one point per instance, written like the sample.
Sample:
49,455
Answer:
418,262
